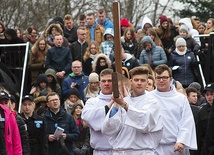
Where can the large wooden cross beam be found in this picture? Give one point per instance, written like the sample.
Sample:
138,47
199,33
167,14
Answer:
119,82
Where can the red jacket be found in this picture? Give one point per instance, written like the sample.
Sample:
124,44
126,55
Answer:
11,134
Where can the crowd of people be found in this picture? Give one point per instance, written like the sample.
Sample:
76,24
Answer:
69,74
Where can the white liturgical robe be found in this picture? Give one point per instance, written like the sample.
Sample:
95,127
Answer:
178,122
136,131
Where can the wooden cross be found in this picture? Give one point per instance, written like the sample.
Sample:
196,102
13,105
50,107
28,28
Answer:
119,82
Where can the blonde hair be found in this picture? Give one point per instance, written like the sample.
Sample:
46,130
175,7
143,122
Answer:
88,50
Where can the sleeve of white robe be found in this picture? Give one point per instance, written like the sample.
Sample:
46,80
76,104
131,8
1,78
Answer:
93,114
187,132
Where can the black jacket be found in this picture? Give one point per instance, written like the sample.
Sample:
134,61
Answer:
78,50
36,128
71,35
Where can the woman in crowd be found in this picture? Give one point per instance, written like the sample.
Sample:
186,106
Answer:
101,62
2,29
91,53
153,34
30,35
129,43
37,58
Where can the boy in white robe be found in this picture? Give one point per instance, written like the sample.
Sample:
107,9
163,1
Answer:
133,124
179,133
94,114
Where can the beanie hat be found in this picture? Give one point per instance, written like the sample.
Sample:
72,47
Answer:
180,42
42,78
74,107
163,19
184,28
195,85
124,22
73,91
93,77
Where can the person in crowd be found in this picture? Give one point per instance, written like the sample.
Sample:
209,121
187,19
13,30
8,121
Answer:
59,59
128,60
107,46
73,97
55,117
152,54
78,48
81,20
94,32
2,29
151,71
178,137
81,146
129,42
153,34
102,20
191,44
30,35
125,72
101,62
19,33
92,89
53,82
51,31
91,53
135,118
201,29
166,33
200,97
151,83
36,127
187,22
10,140
40,102
6,99
75,79
182,61
41,87
203,118
95,111
209,26
70,31
36,62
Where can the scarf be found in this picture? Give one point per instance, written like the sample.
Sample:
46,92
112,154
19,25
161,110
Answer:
93,56
181,53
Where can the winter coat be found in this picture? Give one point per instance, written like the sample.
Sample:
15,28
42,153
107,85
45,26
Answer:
157,54
98,34
78,50
11,133
131,47
36,127
107,46
71,35
59,59
184,74
54,85
65,121
107,23
81,83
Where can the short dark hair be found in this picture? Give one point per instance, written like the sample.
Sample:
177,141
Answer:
101,11
161,68
81,16
51,94
68,17
138,71
190,89
106,71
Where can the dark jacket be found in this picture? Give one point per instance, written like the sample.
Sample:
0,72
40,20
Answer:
78,50
71,35
132,48
201,128
87,66
81,83
65,121
23,134
154,56
184,74
36,127
59,59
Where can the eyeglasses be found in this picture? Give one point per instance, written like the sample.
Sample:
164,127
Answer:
76,67
93,48
54,100
164,78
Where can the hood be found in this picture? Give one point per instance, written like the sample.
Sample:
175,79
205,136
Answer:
101,55
42,78
148,39
48,30
74,107
108,31
146,20
51,72
187,22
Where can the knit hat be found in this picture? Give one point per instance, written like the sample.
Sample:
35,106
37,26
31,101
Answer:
163,19
93,77
184,28
209,87
124,22
42,78
195,85
73,91
180,42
